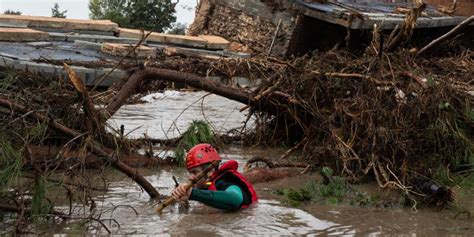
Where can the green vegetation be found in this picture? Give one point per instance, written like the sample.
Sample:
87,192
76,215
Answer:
198,132
12,12
10,164
334,191
177,29
39,203
154,15
55,12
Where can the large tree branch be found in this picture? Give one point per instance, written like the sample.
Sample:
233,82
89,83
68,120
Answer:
179,77
94,146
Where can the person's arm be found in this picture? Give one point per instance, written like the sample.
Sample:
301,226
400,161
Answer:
229,199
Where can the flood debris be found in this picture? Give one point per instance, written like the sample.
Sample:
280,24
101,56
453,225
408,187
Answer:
294,27
390,114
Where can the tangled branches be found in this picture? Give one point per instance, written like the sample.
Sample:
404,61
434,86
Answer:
394,121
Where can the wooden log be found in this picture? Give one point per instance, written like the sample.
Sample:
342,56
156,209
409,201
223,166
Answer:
174,76
261,175
96,148
45,155
456,30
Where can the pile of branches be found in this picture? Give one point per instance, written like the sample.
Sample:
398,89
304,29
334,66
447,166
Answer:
392,118
51,132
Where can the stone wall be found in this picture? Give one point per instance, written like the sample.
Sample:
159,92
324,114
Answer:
252,23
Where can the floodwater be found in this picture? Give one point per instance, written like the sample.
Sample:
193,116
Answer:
168,113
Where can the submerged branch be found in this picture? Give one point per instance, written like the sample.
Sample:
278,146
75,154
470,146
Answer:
96,148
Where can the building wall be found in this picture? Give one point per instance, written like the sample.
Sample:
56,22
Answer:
250,22
253,23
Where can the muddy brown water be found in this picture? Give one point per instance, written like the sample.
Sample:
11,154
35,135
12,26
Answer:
269,217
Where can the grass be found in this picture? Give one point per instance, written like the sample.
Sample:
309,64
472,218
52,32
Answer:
10,163
39,204
332,193
336,191
6,80
197,132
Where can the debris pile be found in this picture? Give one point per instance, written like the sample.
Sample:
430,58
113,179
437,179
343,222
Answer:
392,118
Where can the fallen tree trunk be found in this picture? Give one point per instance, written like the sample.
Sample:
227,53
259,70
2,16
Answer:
174,141
446,36
46,155
8,208
180,77
96,148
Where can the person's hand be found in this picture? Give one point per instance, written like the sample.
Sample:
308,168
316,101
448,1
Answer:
181,194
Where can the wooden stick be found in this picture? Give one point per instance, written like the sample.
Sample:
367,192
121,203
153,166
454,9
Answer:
274,39
446,36
418,79
187,186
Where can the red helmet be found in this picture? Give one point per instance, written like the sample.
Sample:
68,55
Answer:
201,154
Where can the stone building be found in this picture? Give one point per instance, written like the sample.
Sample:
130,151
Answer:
289,27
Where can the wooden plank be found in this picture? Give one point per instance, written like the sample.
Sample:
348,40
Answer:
22,35
380,14
58,23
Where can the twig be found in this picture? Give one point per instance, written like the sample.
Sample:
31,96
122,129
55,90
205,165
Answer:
93,145
446,36
274,39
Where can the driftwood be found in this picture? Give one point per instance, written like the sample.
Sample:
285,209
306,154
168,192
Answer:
95,120
188,79
456,30
95,147
224,138
46,155
272,164
405,31
416,78
7,208
448,10
260,175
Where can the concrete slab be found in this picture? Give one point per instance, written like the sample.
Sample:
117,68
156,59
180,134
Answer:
88,45
58,23
57,52
122,50
183,40
215,42
69,31
22,35
198,52
88,75
40,44
91,38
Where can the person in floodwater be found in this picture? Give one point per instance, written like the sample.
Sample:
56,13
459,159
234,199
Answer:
225,188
